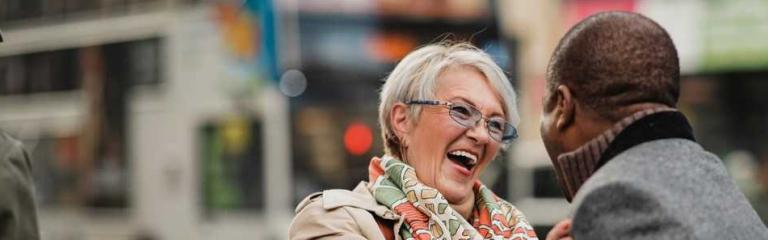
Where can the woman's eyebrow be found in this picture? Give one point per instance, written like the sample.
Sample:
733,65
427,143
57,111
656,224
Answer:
464,100
467,101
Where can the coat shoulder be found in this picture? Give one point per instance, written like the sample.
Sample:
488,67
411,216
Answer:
621,210
319,215
672,180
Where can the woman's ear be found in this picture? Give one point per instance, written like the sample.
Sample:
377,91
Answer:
564,107
400,120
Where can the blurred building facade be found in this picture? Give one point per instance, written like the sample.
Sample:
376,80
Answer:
193,119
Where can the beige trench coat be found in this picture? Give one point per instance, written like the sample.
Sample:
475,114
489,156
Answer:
341,214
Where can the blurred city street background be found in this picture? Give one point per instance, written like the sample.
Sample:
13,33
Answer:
205,119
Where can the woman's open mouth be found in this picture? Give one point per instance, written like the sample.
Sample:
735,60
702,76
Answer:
463,158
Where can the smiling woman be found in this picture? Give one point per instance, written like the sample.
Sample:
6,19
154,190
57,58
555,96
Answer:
445,112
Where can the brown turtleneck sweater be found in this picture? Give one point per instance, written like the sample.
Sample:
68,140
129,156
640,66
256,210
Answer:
575,167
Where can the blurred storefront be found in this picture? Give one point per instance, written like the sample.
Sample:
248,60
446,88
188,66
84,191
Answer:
195,119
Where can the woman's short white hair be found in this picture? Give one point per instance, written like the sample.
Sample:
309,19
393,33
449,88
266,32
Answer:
415,78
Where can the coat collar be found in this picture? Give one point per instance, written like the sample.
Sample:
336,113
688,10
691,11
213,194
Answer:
662,125
575,167
360,197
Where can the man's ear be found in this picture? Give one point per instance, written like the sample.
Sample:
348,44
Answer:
399,118
564,104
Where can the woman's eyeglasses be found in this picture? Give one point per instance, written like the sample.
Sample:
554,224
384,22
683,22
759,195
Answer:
467,116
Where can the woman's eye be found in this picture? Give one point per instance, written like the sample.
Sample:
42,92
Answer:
496,126
461,111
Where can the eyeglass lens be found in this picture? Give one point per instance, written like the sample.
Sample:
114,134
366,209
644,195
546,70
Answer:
468,116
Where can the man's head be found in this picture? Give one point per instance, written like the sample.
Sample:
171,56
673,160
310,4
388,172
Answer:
605,68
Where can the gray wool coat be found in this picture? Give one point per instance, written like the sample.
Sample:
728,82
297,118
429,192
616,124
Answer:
664,189
18,214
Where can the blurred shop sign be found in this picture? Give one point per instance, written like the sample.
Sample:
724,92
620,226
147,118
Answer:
714,35
453,9
248,33
734,37
576,10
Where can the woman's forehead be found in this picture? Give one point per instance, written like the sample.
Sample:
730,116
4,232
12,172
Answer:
470,86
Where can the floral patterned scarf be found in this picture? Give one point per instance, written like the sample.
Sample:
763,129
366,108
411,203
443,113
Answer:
427,214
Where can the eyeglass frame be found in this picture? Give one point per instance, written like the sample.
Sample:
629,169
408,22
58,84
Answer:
472,109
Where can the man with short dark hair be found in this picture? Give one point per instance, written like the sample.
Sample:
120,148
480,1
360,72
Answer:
623,155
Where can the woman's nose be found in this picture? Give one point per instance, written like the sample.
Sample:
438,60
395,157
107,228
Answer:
479,133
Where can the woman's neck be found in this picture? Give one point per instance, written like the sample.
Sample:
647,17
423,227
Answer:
465,207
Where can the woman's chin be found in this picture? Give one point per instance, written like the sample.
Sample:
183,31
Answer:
456,193
453,184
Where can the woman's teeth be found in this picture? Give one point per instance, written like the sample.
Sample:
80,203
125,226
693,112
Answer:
471,157
466,159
